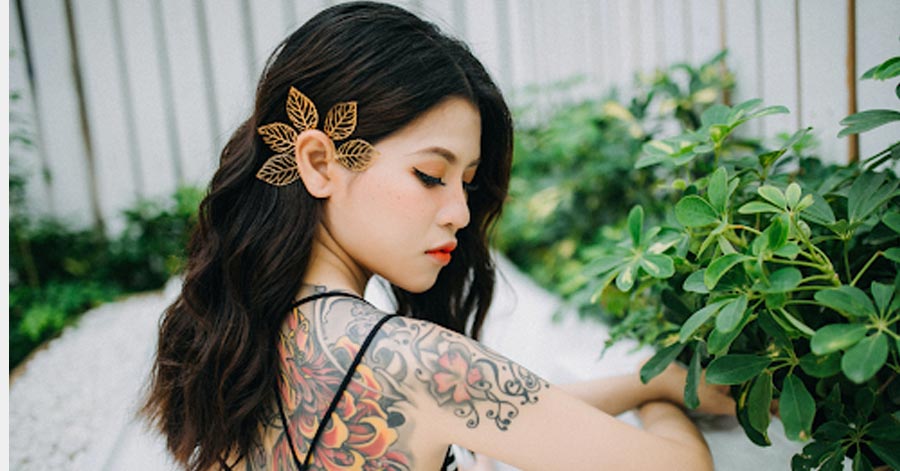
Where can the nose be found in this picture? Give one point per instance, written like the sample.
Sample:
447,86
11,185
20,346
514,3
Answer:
454,211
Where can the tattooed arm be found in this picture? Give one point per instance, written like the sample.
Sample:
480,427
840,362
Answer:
474,397
615,395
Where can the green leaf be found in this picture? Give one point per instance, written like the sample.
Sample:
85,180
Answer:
868,192
867,120
699,318
797,323
832,430
718,342
715,114
777,232
893,254
758,401
718,190
813,454
886,427
735,369
759,438
886,70
888,452
820,212
789,251
767,111
883,294
864,359
731,314
772,195
755,207
636,224
660,361
797,409
691,400
861,463
792,195
626,277
694,283
775,300
821,366
835,337
719,267
603,264
782,280
694,211
892,219
657,265
848,300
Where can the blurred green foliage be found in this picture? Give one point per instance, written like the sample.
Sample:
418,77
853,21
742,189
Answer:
574,177
57,272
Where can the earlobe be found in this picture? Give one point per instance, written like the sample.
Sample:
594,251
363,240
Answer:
314,151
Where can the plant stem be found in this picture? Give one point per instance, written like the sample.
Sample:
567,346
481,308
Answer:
846,252
746,228
865,267
801,264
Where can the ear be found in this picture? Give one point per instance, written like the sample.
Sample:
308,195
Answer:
314,152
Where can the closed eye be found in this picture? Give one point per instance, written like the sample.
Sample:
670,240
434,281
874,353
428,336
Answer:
427,179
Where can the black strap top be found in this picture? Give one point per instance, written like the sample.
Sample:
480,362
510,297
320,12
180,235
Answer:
449,463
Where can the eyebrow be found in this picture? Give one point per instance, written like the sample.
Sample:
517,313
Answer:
446,154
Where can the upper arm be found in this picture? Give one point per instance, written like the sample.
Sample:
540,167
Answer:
477,398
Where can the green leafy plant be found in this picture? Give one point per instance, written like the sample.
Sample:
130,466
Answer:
574,171
782,284
59,272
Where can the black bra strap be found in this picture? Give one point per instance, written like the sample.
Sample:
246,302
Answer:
340,391
326,294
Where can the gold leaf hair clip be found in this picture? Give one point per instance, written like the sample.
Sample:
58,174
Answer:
340,122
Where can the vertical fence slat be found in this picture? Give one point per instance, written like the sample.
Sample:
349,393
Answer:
229,63
705,33
876,42
676,37
823,94
743,57
481,34
191,89
56,105
779,44
521,40
157,134
26,159
96,50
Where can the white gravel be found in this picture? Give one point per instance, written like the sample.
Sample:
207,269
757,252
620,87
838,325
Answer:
73,407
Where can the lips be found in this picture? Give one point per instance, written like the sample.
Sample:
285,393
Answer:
442,253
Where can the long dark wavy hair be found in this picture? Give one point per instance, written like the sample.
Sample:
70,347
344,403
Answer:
216,363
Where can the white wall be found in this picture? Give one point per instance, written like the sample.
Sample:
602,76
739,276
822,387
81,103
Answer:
165,82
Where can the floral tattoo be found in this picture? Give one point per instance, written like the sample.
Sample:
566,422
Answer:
476,384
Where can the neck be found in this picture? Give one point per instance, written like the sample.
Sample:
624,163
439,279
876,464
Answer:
332,267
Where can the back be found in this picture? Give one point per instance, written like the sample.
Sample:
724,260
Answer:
372,424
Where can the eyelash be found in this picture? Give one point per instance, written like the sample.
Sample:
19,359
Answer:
431,182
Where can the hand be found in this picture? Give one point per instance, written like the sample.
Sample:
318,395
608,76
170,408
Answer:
714,399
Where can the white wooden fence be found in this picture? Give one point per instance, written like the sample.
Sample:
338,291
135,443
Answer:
129,99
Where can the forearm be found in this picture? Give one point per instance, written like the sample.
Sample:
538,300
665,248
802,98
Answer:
617,394
668,421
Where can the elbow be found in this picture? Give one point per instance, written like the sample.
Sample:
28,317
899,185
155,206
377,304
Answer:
699,459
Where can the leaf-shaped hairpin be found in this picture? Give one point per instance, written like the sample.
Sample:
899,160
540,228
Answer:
340,122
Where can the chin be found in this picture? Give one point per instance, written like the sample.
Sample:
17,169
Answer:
415,286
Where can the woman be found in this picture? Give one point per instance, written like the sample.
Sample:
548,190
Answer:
377,145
